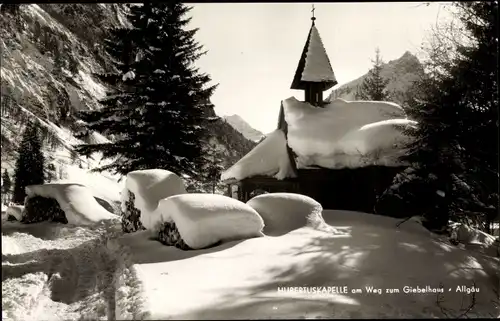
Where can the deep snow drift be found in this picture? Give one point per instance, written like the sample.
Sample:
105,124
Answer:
346,134
269,158
62,272
248,279
285,212
149,187
205,219
77,202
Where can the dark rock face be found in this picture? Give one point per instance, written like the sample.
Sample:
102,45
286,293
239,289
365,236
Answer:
169,235
39,209
131,217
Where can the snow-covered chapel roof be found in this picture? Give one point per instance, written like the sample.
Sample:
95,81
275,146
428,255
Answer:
343,134
314,65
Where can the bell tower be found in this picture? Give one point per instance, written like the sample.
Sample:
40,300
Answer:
314,73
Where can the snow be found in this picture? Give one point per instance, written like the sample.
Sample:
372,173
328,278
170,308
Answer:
149,187
63,272
129,75
468,235
75,200
241,279
346,133
268,158
205,219
99,184
90,85
285,212
15,211
56,271
317,67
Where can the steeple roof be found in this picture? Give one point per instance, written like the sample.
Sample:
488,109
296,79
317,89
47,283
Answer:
314,65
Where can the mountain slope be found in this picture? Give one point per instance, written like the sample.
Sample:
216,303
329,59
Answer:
401,73
49,55
243,127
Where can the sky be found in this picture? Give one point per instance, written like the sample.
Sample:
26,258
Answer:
254,48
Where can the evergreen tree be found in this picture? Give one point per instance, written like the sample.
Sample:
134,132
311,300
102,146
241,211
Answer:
455,148
29,168
6,186
373,86
157,110
213,167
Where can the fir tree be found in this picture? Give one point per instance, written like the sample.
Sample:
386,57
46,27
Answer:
373,86
213,167
29,168
6,186
156,111
455,146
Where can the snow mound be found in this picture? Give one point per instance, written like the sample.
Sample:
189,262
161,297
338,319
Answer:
206,219
269,158
100,185
77,202
285,212
15,211
346,133
468,235
149,187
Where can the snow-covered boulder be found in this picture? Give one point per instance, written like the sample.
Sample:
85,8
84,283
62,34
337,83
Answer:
467,235
285,212
75,200
14,212
143,190
203,220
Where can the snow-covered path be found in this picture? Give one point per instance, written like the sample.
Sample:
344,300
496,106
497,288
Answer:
57,272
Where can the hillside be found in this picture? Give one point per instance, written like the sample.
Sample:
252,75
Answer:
243,127
401,73
49,55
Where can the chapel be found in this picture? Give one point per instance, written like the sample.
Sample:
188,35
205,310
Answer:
285,161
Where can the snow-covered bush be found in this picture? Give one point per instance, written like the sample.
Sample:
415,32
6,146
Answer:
75,200
39,209
14,212
419,192
284,212
143,190
203,220
396,200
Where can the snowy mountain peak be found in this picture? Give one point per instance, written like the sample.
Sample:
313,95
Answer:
401,73
243,127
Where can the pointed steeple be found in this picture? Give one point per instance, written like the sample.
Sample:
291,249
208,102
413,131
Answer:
314,73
